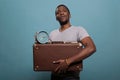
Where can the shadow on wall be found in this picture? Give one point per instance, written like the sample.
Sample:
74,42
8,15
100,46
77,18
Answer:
42,76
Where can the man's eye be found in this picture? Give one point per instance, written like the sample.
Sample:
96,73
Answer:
65,11
57,13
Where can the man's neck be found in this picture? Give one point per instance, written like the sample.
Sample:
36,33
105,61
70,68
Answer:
64,27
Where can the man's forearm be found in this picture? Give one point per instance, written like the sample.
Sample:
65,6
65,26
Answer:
86,52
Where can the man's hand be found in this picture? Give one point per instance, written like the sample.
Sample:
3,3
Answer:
62,67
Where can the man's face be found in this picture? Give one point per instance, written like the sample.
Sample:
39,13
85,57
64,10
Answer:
62,15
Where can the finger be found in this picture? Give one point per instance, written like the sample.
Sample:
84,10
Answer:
57,69
60,69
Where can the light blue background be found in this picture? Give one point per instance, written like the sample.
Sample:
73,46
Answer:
20,19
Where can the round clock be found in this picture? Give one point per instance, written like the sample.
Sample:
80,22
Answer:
42,37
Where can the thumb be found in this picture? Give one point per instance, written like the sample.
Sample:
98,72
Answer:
56,62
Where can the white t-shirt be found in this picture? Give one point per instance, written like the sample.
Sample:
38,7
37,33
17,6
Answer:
71,34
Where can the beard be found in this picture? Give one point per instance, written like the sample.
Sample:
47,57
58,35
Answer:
63,22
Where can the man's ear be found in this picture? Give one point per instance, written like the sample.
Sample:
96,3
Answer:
69,15
56,19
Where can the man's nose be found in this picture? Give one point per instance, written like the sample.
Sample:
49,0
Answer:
61,13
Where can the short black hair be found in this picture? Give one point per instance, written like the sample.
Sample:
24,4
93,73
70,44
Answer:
63,6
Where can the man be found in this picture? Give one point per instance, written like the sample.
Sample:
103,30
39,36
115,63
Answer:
69,33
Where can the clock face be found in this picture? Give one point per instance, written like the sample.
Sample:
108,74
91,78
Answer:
42,37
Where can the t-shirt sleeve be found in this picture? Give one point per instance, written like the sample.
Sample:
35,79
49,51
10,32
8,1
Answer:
82,33
50,37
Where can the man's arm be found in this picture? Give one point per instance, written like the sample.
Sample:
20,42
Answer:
89,49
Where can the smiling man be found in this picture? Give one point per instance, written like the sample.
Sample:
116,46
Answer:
70,33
